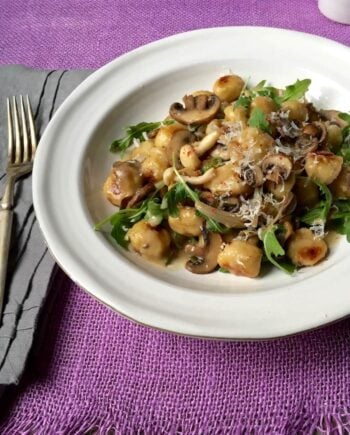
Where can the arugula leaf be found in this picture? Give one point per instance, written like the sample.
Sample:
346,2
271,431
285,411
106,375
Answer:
223,270
154,214
345,147
340,218
190,193
342,209
320,212
345,117
173,197
258,119
259,86
243,101
269,91
273,250
295,91
122,223
136,132
342,226
345,153
124,219
214,162
212,225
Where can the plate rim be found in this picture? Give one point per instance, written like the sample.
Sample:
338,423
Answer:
80,90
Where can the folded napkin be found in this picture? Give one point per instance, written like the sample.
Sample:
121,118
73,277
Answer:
30,265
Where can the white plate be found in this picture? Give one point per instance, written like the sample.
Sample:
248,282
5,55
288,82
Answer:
73,160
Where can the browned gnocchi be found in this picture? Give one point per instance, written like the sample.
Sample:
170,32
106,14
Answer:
234,177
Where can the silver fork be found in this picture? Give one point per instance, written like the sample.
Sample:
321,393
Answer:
21,150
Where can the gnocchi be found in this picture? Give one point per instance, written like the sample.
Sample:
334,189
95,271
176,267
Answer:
234,176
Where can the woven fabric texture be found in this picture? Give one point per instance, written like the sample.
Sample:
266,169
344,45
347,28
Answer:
95,370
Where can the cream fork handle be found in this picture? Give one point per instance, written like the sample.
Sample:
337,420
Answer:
6,217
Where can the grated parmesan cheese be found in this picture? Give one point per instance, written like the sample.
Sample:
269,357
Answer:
231,130
252,208
318,229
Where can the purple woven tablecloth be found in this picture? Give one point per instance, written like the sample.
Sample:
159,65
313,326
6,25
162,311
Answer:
97,370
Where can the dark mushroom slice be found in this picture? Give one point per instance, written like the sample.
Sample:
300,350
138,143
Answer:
286,207
333,116
252,175
316,130
180,138
208,198
230,204
140,194
205,259
305,144
276,167
123,182
196,110
313,114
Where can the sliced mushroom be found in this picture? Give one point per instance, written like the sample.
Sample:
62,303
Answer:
207,143
229,219
198,109
305,144
201,179
252,175
277,167
316,130
333,116
180,138
286,207
208,198
229,203
140,194
123,182
204,259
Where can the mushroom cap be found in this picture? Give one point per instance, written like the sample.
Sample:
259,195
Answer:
208,258
179,138
252,175
198,109
277,167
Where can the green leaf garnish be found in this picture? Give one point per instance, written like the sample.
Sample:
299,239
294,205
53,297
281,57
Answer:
259,86
243,101
273,250
175,195
345,146
269,91
345,153
340,218
342,209
212,225
136,132
154,213
320,212
124,219
258,119
345,117
342,226
296,91
223,270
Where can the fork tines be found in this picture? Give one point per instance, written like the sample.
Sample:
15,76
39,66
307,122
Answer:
21,134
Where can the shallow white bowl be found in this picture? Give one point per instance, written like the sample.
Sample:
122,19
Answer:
73,160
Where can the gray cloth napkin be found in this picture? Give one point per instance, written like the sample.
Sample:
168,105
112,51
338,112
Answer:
30,264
